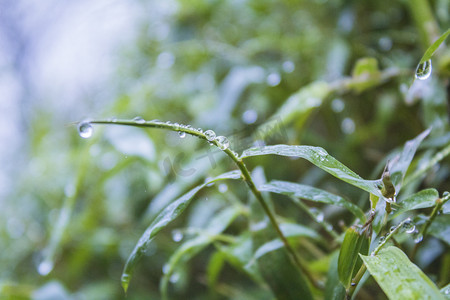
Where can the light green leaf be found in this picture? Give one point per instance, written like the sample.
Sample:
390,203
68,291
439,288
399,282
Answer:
398,277
312,194
400,165
355,242
423,199
334,290
446,291
430,51
169,214
440,228
319,157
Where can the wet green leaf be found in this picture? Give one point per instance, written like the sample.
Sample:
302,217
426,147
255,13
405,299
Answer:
311,194
319,157
430,51
446,291
355,242
398,277
423,199
440,228
169,214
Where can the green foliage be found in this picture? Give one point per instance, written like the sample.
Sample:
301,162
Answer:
326,83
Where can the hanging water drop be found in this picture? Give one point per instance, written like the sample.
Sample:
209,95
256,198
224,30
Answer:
45,267
174,278
319,217
182,134
423,70
418,239
210,135
85,130
223,142
139,120
223,187
177,235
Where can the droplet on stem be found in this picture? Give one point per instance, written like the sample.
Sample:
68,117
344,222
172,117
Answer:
210,135
85,129
139,120
423,70
182,134
223,142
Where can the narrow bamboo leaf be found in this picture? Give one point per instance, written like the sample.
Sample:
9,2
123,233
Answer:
440,228
190,248
334,290
319,157
423,199
311,194
169,214
400,165
398,277
355,242
430,51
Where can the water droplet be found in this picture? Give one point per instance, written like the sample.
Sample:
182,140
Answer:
200,130
85,129
382,238
348,126
166,268
249,116
409,227
319,217
125,279
177,235
223,187
182,134
337,105
223,142
139,120
353,284
447,291
392,229
210,135
45,267
288,66
273,79
418,239
423,70
174,278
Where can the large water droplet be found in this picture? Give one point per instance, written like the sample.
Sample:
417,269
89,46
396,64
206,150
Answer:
85,130
177,235
182,134
423,70
210,135
223,142
418,238
45,267
139,120
223,187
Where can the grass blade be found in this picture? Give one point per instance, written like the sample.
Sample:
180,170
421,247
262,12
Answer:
311,194
398,277
430,51
319,157
169,214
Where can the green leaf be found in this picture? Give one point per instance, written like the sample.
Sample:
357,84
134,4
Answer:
446,291
311,194
430,51
440,228
355,242
169,214
423,199
190,248
400,164
319,157
398,277
334,290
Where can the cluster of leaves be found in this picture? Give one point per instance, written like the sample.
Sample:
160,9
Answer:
211,64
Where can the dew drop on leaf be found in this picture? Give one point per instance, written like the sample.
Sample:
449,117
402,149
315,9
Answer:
423,70
182,134
223,142
139,120
177,235
85,130
45,267
210,135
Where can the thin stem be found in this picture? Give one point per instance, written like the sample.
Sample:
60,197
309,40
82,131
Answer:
433,161
245,174
439,203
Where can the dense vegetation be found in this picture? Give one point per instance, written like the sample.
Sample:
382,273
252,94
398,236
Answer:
302,153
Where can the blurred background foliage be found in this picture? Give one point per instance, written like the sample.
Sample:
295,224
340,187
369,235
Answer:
227,66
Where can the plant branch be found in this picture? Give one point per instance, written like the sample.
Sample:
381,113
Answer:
239,162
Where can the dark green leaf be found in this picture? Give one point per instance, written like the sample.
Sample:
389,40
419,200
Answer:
398,277
334,290
169,214
423,199
311,194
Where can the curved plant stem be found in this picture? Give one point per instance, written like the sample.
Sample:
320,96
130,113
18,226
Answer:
239,162
439,203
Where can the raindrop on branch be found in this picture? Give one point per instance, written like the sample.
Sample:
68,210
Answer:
139,120
423,70
182,134
85,130
210,135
